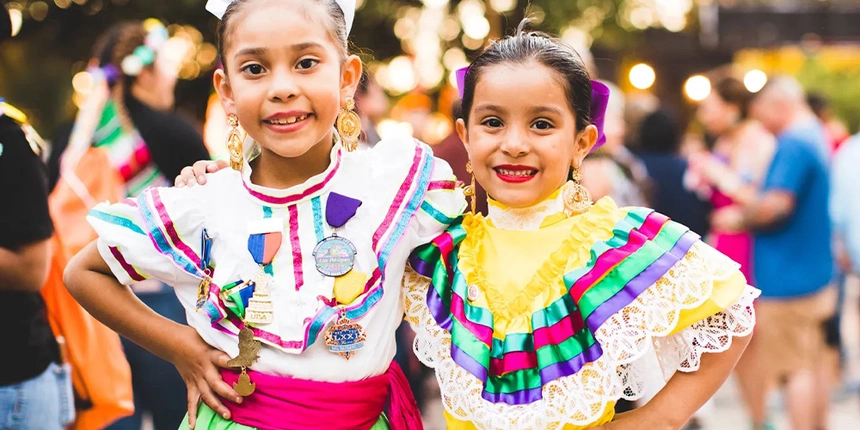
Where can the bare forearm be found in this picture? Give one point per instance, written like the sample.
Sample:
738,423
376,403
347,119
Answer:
762,217
91,284
25,269
685,393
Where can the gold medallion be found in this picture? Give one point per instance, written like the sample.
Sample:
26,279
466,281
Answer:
249,350
260,310
244,387
202,292
345,338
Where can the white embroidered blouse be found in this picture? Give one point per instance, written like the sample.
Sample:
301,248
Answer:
408,198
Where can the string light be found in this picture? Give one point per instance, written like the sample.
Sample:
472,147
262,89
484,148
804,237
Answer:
642,76
697,88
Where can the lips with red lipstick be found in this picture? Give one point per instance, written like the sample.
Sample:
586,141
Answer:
285,122
515,173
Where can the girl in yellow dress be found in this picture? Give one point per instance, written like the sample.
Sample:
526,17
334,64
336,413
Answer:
541,314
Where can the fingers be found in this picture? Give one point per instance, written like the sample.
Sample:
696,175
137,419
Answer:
223,389
211,400
200,169
218,165
186,177
193,400
219,358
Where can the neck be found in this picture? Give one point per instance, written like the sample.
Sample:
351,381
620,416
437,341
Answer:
273,171
150,98
527,218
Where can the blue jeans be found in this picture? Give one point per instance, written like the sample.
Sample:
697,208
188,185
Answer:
42,403
158,388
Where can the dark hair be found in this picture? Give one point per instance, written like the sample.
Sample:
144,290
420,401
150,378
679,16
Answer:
118,42
525,47
659,133
363,83
337,27
735,93
817,103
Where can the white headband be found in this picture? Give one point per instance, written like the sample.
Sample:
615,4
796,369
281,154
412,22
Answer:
218,7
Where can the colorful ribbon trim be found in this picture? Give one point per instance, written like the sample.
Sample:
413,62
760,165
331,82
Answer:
416,180
644,246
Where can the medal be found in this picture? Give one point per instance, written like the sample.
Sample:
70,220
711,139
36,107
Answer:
244,387
264,240
249,349
334,256
345,338
203,286
260,310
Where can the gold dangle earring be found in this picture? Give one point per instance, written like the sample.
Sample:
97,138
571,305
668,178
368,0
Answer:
576,197
470,191
234,143
349,125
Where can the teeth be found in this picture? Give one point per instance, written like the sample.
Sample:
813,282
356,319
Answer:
520,173
290,120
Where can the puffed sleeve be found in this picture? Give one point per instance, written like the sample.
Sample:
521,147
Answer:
443,205
157,235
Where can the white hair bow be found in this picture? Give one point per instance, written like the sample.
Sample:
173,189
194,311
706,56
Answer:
218,7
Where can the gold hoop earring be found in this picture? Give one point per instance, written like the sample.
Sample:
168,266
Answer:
576,197
470,191
349,125
234,143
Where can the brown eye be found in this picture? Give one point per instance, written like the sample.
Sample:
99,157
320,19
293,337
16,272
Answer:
492,123
542,125
307,63
253,69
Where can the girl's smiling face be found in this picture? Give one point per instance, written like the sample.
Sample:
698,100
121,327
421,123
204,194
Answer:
521,135
285,77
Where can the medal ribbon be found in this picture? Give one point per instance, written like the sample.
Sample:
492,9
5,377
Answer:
339,209
236,296
206,250
264,246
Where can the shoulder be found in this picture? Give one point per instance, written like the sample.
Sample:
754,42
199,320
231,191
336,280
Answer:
165,125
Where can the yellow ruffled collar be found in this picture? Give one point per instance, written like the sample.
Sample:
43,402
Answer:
587,229
545,213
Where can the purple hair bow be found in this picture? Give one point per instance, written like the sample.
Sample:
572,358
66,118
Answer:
599,101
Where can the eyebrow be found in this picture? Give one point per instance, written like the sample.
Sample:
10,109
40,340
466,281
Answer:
250,52
545,109
305,46
491,108
299,47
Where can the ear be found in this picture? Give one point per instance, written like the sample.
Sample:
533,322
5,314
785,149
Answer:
585,140
225,91
462,131
350,76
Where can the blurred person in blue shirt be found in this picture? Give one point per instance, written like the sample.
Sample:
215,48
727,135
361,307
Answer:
793,259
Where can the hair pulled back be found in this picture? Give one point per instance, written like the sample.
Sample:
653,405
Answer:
733,92
335,22
113,46
526,47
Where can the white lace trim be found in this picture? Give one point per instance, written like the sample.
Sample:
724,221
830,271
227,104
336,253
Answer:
530,218
581,399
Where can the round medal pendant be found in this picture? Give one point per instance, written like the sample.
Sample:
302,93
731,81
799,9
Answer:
334,256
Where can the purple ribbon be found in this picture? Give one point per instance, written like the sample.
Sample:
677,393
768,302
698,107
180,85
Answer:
339,209
599,100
